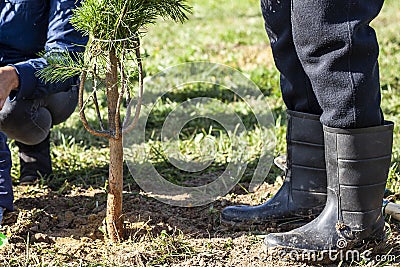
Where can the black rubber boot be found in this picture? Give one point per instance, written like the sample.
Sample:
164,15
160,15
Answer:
35,161
357,163
303,193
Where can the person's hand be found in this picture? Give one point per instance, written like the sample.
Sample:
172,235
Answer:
9,81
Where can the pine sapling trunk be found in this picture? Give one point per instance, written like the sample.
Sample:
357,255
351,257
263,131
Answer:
115,181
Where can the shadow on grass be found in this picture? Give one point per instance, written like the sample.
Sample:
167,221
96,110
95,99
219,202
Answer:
74,128
96,176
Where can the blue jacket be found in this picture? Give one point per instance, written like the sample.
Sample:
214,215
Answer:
28,27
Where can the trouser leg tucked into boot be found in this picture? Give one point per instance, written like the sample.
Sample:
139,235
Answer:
303,193
357,163
35,161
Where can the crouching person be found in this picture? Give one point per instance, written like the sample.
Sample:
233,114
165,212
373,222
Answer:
29,107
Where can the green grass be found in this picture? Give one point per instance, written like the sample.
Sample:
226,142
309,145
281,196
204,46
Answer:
387,31
226,32
220,32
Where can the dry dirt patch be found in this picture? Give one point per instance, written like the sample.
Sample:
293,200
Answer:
57,229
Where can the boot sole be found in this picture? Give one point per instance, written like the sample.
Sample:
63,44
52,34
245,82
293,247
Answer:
28,181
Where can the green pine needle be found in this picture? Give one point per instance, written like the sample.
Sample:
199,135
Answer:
61,66
122,19
109,23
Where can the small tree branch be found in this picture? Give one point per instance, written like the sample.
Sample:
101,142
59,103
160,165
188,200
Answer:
82,114
128,93
124,78
95,101
135,120
96,105
120,96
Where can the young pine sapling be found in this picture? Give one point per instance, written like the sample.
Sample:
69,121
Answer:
114,28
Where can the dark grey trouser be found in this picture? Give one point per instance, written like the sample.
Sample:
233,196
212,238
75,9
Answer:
327,55
6,192
30,121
